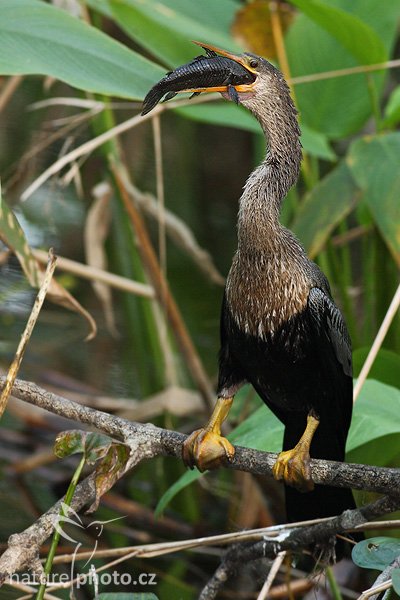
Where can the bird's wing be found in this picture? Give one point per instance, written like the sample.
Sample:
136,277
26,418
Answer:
329,322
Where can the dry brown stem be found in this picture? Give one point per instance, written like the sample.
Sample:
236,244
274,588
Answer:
164,295
33,317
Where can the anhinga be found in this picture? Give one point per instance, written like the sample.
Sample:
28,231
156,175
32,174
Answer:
280,329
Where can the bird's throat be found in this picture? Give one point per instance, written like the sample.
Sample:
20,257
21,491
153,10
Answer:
267,186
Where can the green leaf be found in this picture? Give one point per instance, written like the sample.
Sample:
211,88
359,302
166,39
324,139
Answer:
376,553
109,470
396,580
392,109
37,38
180,484
339,106
378,404
229,115
316,143
323,208
111,457
374,163
351,32
93,445
12,235
386,367
165,27
261,431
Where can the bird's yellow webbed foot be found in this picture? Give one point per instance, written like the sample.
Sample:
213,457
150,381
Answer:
206,448
293,466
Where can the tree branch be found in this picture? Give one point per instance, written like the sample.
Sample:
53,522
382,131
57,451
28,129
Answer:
147,441
164,442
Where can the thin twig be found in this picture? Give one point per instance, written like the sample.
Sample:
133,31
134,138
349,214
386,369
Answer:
393,308
375,590
30,591
67,101
276,565
95,274
342,239
390,64
33,317
8,90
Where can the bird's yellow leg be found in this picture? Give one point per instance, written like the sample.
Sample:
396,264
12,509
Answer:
293,466
206,448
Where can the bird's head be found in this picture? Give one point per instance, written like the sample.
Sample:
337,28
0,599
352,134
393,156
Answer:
263,73
267,95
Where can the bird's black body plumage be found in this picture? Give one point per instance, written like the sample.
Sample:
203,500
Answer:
304,366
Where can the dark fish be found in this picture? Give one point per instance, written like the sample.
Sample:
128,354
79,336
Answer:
206,71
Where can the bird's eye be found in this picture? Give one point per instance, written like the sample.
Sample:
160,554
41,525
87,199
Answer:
253,63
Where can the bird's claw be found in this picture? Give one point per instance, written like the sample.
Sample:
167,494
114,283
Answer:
205,450
293,466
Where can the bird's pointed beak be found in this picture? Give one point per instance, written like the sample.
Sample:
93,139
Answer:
236,57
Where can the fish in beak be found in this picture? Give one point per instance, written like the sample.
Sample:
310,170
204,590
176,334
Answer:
215,71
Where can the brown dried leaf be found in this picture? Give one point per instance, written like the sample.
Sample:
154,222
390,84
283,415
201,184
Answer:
252,26
96,230
109,470
59,295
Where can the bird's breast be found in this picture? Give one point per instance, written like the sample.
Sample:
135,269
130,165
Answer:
264,293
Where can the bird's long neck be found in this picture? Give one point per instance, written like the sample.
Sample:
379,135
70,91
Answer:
258,222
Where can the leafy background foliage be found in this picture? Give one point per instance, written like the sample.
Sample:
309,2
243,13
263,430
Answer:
345,210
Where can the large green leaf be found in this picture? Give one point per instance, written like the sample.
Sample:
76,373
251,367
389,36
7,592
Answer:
392,109
37,38
376,553
338,106
386,367
165,27
396,580
374,163
375,418
351,32
324,207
